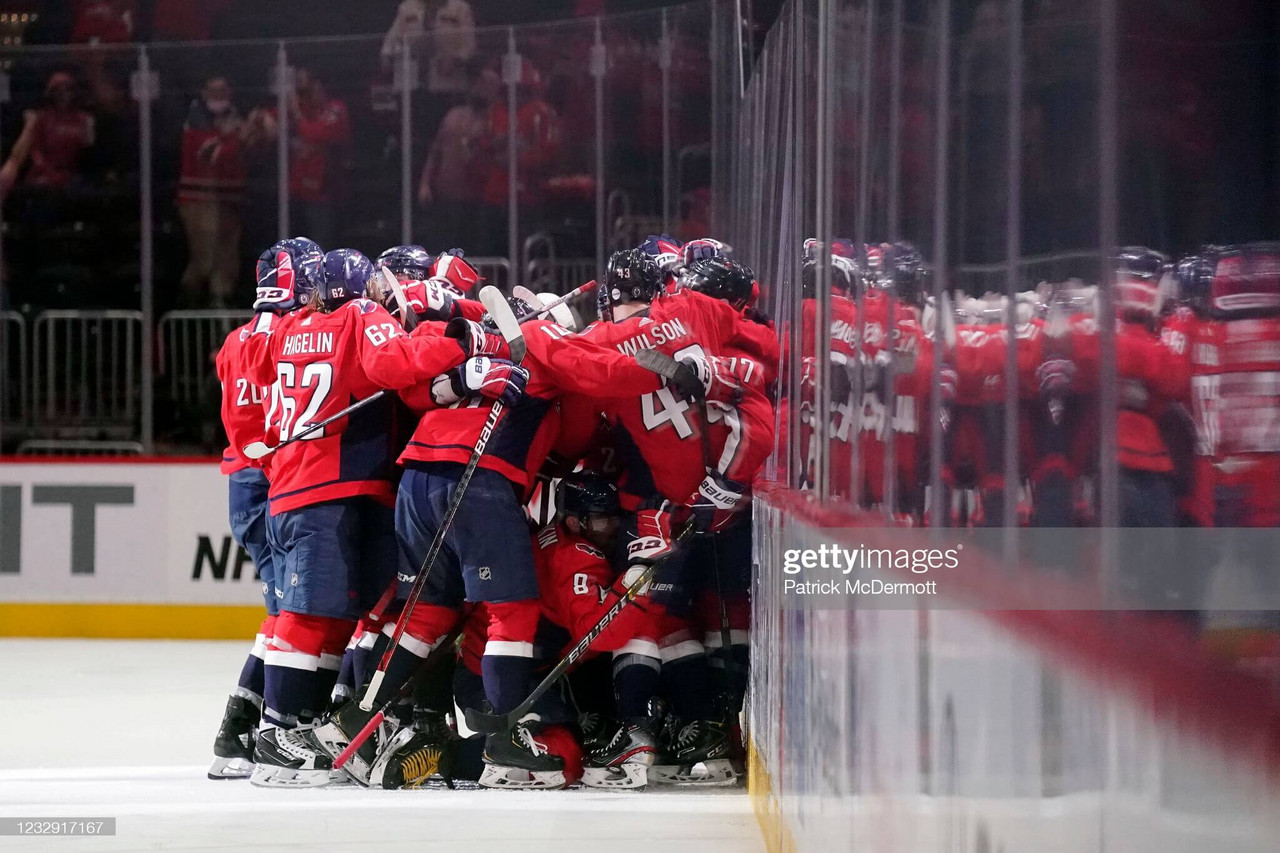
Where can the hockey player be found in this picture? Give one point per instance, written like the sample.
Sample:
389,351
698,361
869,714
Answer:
242,419
330,493
894,347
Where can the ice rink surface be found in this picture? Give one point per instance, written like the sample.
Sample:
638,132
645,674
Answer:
108,728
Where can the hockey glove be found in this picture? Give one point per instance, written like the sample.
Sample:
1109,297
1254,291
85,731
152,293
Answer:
652,539
431,299
475,339
716,502
948,379
494,379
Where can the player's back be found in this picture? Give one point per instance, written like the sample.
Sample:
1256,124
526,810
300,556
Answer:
659,435
319,373
243,419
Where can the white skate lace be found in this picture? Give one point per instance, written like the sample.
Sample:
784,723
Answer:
526,737
688,734
294,743
617,737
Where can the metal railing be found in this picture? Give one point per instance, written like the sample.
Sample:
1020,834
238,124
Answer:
976,279
189,341
15,377
496,271
86,380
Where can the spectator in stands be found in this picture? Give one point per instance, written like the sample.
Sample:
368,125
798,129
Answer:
211,194
104,21
319,135
54,140
451,175
537,144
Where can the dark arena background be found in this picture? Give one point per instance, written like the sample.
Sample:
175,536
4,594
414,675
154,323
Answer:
944,518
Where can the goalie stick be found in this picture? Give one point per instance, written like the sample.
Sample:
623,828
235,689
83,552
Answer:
488,724
509,326
256,450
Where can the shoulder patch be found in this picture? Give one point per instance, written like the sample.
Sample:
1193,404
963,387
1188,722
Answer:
589,550
364,306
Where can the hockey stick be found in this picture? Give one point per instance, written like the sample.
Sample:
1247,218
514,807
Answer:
540,307
483,723
258,449
507,324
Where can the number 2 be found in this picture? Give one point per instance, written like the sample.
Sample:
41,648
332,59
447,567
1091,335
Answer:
318,376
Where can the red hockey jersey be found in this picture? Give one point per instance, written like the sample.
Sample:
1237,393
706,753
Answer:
658,435
243,418
321,363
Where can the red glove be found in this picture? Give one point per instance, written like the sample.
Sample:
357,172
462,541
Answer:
717,502
492,378
431,299
652,541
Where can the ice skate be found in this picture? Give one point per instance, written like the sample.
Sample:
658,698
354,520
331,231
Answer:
516,759
702,754
417,754
623,761
335,732
290,758
233,746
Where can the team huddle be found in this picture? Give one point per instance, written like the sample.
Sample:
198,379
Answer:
390,442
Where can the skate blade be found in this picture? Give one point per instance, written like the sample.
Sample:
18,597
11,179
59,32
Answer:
230,768
285,777
718,772
517,779
631,777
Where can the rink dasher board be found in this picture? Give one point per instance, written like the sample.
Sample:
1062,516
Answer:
122,550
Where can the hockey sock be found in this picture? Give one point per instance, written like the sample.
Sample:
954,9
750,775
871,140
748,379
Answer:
686,676
250,684
365,656
291,678
507,665
637,669
346,675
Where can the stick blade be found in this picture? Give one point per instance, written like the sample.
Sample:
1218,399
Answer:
486,724
256,450
505,318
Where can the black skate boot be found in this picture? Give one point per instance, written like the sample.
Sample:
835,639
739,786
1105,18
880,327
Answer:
597,730
702,754
623,761
517,759
417,754
290,758
336,730
233,747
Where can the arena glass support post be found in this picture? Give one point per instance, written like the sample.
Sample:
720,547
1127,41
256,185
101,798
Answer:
1013,255
4,301
941,200
894,226
406,82
664,66
282,85
511,77
1108,239
598,66
862,217
718,222
822,176
145,86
